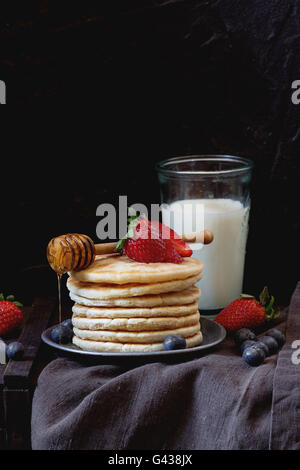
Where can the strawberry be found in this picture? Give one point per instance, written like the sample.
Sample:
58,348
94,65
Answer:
146,245
152,242
143,242
181,247
247,312
145,250
10,314
169,234
172,256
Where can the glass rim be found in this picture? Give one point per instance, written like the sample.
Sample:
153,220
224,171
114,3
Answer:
245,165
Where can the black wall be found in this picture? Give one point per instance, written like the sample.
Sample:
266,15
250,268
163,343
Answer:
124,84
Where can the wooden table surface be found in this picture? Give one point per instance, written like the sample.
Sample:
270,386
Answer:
18,378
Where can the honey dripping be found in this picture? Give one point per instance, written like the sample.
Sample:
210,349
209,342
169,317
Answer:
59,277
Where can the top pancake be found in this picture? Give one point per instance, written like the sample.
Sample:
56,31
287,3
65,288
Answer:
114,269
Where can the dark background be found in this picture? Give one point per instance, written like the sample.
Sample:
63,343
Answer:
123,84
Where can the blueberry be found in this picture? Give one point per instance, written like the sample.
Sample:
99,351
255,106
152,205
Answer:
61,334
15,350
277,335
254,356
174,342
68,323
242,335
271,343
246,344
263,346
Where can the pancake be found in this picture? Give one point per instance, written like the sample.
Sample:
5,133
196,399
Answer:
110,291
114,269
137,312
136,337
135,324
99,346
187,296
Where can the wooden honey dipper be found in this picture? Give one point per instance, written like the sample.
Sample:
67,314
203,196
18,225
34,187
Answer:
74,251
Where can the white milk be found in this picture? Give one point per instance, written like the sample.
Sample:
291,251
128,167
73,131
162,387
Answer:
224,258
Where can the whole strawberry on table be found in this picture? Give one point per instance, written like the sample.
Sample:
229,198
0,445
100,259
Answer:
246,313
11,317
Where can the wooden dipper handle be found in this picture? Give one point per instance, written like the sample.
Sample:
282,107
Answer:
105,248
74,251
205,237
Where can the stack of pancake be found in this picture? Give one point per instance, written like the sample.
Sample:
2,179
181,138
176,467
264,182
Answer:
126,306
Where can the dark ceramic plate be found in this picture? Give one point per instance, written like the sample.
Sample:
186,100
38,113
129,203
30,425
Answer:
213,334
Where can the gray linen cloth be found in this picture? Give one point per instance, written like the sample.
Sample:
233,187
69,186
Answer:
215,401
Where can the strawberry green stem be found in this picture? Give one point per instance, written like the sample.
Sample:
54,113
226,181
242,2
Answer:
266,301
132,223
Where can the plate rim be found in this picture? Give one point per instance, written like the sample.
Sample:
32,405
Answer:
83,353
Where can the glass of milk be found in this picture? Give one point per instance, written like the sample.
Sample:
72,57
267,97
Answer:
210,192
